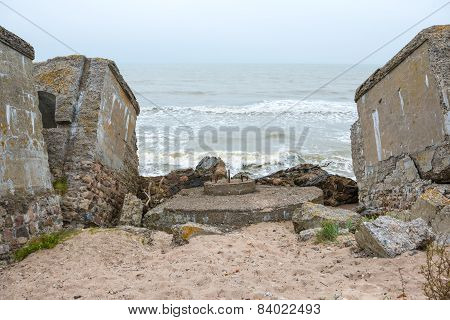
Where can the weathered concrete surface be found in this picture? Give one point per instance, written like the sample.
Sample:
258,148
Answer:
93,146
235,187
28,205
312,215
267,204
388,237
400,143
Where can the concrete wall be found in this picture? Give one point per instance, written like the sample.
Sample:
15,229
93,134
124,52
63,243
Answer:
94,146
60,77
402,113
400,143
116,125
23,162
28,205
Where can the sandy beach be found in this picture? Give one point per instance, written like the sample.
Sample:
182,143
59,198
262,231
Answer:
262,261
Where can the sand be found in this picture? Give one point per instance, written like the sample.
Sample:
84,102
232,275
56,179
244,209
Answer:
262,261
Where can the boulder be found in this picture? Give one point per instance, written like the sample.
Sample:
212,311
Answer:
433,207
337,190
388,237
182,233
311,215
132,211
209,163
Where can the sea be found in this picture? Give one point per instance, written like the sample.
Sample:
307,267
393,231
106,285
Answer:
259,118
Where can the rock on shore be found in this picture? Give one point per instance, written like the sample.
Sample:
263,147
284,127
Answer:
337,190
388,237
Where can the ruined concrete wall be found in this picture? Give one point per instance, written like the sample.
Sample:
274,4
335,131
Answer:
60,77
99,158
400,143
28,205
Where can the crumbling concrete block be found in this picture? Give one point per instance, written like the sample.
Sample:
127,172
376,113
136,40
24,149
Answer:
132,211
400,143
388,237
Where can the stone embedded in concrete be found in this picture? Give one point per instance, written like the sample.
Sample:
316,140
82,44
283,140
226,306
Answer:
388,237
132,211
235,187
312,215
93,146
266,204
28,205
400,143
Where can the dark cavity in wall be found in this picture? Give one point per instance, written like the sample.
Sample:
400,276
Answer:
47,106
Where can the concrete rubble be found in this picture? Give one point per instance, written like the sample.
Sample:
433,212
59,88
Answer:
312,215
132,211
388,237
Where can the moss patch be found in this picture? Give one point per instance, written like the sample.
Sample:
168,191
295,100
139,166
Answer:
60,185
44,241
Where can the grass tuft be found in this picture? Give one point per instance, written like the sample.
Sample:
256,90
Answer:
44,241
328,233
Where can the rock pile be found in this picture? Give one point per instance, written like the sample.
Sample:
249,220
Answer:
337,190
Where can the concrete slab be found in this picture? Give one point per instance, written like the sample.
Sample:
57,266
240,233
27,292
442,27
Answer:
268,203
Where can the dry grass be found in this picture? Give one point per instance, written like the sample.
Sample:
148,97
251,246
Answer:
437,273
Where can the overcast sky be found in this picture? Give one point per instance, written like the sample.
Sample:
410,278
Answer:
221,31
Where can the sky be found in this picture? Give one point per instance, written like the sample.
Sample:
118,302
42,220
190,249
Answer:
221,31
